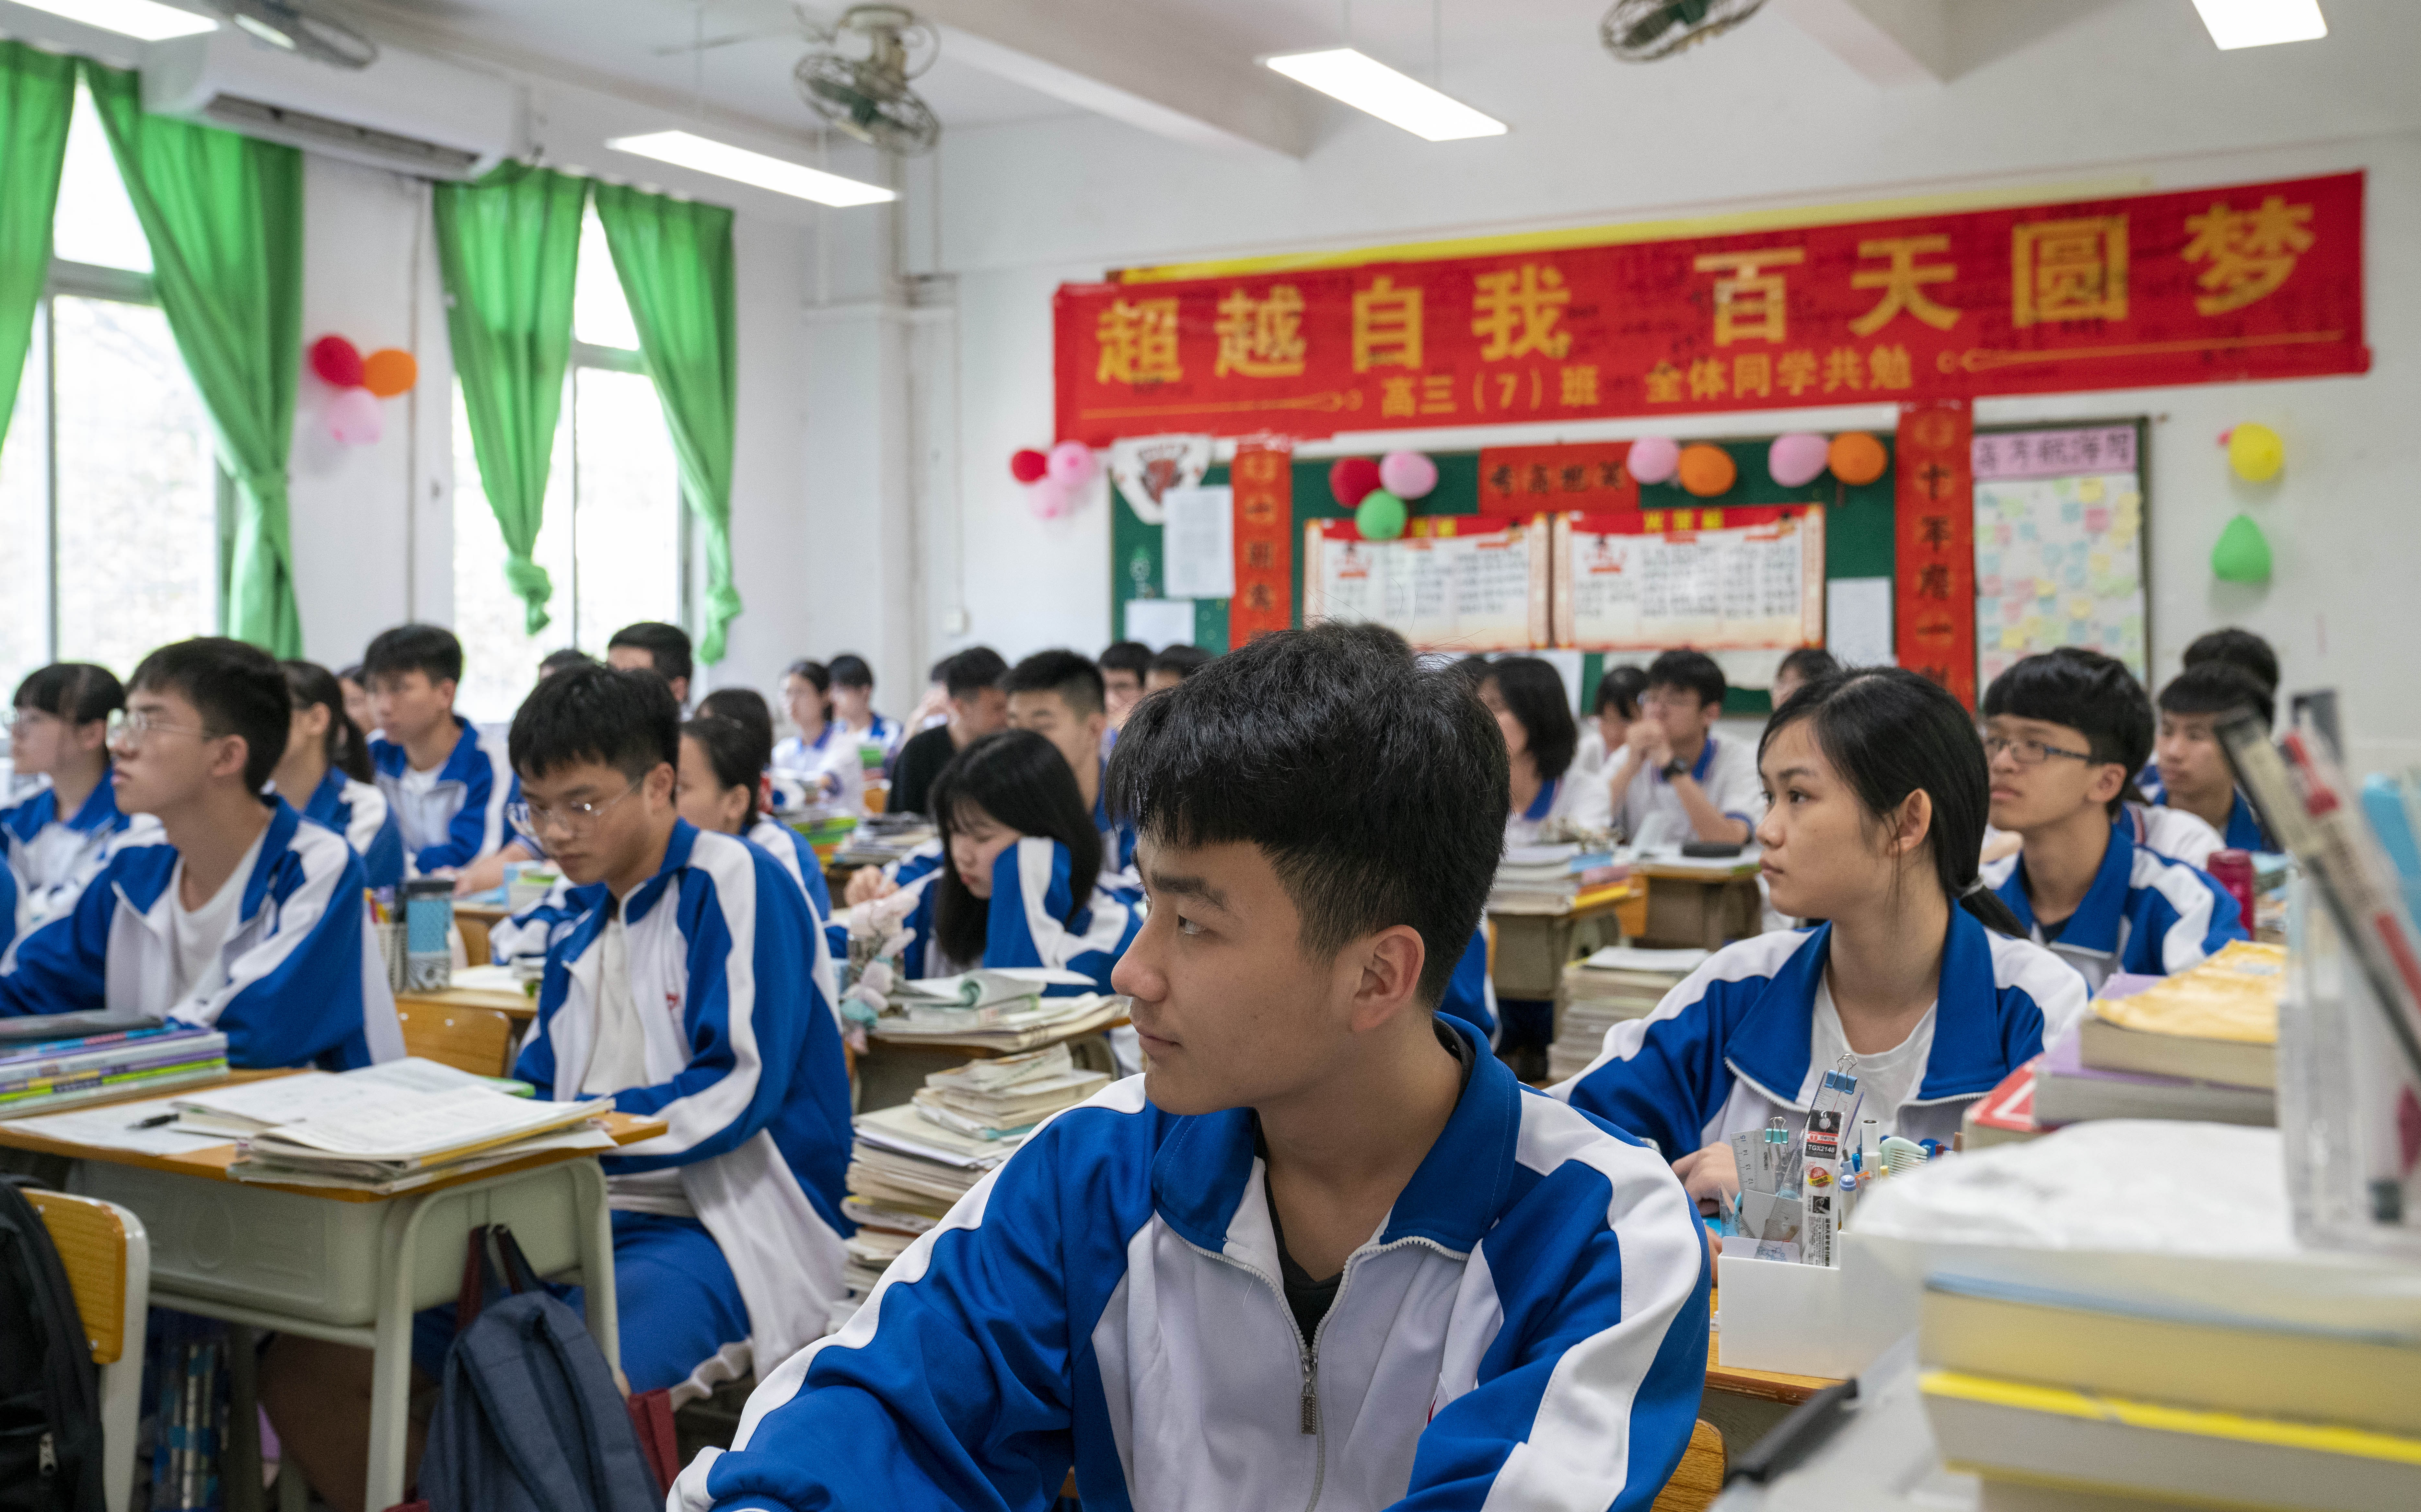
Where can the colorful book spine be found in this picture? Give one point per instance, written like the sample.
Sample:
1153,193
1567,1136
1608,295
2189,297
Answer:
69,1080
69,1048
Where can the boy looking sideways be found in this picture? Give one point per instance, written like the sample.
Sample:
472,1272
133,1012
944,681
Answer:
977,707
1174,665
235,914
1325,1245
1674,780
2062,733
652,646
1059,695
2190,768
1124,665
448,791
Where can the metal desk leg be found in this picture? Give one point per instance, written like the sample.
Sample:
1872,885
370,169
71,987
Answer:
241,1482
391,1362
597,1261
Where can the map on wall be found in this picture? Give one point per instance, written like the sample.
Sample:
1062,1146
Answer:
1460,583
2059,545
1716,579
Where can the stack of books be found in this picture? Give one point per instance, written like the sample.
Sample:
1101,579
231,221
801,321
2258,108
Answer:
38,1076
911,1162
2062,1400
2202,1045
827,834
1618,983
1002,1010
882,839
1554,878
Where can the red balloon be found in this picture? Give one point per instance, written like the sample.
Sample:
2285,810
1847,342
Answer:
1351,480
337,361
1027,465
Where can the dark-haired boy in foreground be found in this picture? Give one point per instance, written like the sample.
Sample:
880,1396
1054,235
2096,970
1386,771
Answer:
1325,1247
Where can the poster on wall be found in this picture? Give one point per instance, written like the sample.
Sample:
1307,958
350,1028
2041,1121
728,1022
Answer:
1464,582
2059,545
1732,580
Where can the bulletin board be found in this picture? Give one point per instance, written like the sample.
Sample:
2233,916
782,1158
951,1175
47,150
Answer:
1453,583
1714,578
2059,544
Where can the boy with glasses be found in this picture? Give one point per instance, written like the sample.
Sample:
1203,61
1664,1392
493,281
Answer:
2063,734
238,916
1672,779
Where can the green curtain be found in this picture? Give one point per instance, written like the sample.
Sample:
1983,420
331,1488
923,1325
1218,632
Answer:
674,258
37,96
509,247
223,216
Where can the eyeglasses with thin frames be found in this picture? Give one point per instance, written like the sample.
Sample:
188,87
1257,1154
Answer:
128,729
2028,753
572,818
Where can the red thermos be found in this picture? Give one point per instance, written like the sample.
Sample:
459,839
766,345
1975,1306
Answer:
2233,870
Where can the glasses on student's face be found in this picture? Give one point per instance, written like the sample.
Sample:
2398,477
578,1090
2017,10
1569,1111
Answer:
572,818
2028,753
15,720
130,728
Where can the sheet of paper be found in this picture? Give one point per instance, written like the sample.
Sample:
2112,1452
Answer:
2059,561
1858,621
1198,543
1161,623
421,1124
118,1127
286,1099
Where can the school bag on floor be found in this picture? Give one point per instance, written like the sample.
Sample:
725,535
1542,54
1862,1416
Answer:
50,1399
530,1419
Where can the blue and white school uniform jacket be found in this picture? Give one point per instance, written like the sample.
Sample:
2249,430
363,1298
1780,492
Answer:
1526,1329
2244,831
2146,913
801,766
1470,994
791,852
54,857
299,982
1733,1045
1118,839
1029,901
745,1064
461,818
360,813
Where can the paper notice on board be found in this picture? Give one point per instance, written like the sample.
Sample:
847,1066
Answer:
1858,621
1198,543
1161,623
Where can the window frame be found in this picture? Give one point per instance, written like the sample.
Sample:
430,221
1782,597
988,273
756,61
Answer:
589,355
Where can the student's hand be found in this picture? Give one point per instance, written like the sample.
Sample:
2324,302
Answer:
867,883
1710,1175
2002,845
487,872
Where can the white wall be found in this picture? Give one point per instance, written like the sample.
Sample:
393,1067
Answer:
2132,97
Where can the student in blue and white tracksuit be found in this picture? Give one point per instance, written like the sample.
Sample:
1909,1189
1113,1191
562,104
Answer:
242,917
821,763
1059,695
2067,730
59,836
448,788
1918,985
1504,1304
721,760
1015,836
2192,773
326,773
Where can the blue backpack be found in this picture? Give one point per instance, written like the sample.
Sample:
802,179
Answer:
530,1419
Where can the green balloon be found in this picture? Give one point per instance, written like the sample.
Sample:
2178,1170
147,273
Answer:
1379,516
2242,554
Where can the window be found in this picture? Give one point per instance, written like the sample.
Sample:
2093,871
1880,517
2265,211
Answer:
110,497
613,537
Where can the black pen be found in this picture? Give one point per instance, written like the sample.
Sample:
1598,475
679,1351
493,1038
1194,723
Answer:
154,1121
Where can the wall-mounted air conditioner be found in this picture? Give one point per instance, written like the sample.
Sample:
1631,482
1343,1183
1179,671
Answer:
405,112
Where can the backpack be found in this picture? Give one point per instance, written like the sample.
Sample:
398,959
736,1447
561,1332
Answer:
530,1419
50,1398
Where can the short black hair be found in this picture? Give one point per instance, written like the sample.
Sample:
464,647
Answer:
343,748
1808,663
1127,656
940,669
973,670
1185,661
667,646
237,688
1622,688
1376,787
849,670
737,748
624,718
747,705
407,648
2240,648
1024,783
2089,692
351,674
1533,691
2218,687
554,662
75,692
1072,676
1692,671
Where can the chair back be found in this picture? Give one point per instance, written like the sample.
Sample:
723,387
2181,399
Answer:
478,1040
90,1238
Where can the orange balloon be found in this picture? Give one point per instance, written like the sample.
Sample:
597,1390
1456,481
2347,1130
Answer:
1708,470
1857,458
389,371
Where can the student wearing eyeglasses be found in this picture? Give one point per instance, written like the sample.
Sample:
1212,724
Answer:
62,835
2064,733
238,916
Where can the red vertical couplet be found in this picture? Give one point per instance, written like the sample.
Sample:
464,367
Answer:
1263,478
1934,611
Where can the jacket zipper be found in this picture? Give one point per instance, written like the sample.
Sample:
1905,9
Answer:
49,1456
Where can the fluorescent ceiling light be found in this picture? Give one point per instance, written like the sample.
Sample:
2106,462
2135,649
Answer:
721,158
143,20
2235,24
1399,99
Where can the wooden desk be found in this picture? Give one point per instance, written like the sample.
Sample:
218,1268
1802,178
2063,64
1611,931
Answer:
519,1006
1746,1404
1689,906
349,1267
1532,949
891,1071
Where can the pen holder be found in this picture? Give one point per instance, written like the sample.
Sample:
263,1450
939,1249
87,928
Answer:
1809,1319
392,950
429,927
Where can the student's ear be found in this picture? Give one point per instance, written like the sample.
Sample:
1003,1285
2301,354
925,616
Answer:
1709,713
1913,821
660,782
2109,780
88,737
446,687
234,754
1391,975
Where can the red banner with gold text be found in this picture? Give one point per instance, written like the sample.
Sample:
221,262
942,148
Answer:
1933,614
2246,280
1263,480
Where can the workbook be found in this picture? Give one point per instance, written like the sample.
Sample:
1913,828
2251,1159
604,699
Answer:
2216,1021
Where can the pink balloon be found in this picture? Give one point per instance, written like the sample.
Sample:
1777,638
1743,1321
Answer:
1797,459
353,417
1071,465
1655,458
1048,499
1407,474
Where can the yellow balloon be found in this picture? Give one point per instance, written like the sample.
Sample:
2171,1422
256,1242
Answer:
2256,452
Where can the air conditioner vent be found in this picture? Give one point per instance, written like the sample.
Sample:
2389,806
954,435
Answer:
343,139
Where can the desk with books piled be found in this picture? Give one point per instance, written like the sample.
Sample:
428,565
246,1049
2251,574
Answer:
937,1024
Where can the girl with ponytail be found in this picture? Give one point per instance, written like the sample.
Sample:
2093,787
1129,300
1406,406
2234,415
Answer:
1877,799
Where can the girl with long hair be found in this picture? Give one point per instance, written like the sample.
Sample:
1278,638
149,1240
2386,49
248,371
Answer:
325,772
